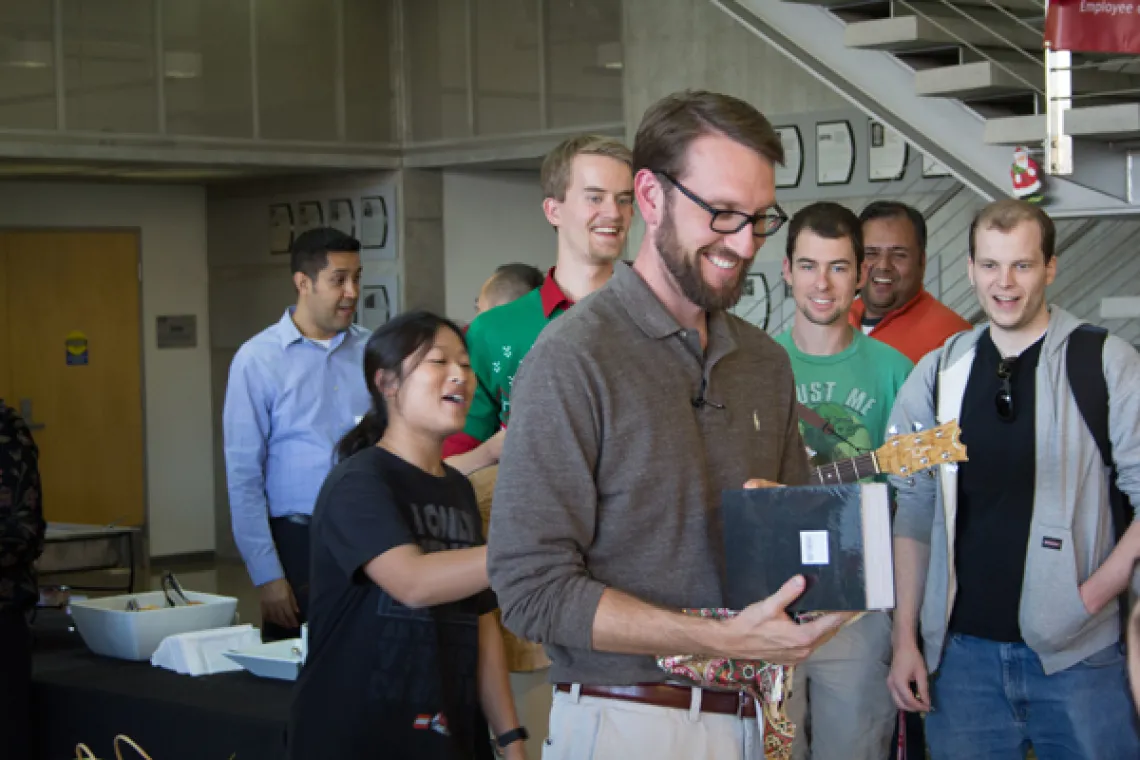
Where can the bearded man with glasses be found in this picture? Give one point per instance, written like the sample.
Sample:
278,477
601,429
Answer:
632,413
1021,558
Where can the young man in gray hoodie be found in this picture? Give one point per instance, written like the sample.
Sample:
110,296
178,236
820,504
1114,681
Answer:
1012,557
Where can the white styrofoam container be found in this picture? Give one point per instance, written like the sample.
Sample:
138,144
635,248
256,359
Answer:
201,653
277,659
110,630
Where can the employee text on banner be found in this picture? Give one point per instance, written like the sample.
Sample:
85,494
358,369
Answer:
1093,26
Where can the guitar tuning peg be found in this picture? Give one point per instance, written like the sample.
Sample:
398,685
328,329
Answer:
918,426
892,431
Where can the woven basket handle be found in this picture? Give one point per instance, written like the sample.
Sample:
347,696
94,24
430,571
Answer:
83,752
130,743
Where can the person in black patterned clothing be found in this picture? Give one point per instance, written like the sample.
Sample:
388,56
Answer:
21,542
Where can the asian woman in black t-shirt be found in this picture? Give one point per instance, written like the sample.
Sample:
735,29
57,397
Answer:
405,657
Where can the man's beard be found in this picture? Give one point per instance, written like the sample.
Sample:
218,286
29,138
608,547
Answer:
686,270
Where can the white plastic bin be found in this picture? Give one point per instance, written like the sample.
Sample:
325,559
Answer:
110,630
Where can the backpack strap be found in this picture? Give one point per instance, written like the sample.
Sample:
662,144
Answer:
1084,365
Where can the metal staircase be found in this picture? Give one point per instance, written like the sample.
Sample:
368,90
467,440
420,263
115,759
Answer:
964,81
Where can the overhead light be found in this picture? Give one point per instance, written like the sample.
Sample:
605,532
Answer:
27,54
182,64
609,56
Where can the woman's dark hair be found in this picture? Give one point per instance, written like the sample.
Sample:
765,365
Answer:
408,334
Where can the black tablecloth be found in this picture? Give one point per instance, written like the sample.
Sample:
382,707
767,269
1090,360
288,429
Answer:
82,697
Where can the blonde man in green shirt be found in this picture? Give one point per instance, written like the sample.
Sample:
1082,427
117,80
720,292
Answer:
587,184
841,701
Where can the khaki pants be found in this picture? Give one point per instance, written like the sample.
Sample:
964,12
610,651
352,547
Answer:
593,728
844,684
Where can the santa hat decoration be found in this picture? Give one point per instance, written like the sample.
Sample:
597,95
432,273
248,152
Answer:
1026,175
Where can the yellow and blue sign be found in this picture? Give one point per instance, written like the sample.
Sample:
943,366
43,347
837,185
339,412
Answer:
76,345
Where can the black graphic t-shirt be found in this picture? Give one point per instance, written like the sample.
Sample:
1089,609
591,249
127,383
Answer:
382,679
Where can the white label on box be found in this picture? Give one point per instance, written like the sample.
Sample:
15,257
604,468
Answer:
813,547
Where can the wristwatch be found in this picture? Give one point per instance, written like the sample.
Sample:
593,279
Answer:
512,736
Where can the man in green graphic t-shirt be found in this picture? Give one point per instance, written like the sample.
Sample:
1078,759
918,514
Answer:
850,381
587,182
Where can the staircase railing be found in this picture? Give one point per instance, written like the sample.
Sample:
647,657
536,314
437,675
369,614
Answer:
1033,23
1058,96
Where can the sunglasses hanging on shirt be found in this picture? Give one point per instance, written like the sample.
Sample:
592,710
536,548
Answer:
1004,398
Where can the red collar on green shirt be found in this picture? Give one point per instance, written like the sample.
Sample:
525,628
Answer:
553,298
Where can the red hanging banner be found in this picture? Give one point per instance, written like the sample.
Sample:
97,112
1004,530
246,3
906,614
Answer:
1094,26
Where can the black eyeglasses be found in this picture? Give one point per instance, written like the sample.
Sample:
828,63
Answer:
1004,398
728,222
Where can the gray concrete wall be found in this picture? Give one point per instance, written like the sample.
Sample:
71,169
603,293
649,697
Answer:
678,44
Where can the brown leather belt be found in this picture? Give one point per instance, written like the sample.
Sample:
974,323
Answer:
676,697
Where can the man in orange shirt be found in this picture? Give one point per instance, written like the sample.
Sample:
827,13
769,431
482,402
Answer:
893,306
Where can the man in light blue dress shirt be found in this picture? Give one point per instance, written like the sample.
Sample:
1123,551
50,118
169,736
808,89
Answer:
294,389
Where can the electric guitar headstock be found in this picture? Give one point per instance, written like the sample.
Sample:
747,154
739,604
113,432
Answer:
911,453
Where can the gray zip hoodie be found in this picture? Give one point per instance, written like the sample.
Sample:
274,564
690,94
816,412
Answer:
1070,500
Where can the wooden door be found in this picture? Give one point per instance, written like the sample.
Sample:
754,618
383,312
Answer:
73,358
5,331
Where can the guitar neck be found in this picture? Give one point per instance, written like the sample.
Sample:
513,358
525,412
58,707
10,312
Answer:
845,471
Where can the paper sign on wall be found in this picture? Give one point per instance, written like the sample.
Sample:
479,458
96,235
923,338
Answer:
887,154
342,216
76,349
379,302
373,222
309,216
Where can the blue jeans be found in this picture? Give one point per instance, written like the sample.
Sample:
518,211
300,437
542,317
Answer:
992,701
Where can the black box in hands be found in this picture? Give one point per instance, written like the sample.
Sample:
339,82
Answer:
837,537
